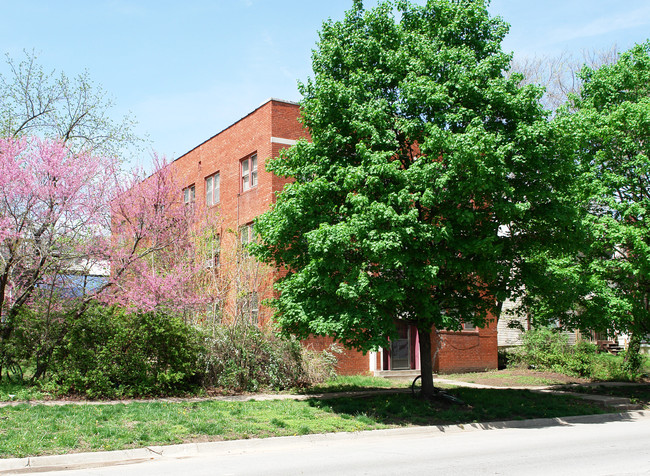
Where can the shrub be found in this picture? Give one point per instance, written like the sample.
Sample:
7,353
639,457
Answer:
241,356
36,332
320,366
108,352
547,349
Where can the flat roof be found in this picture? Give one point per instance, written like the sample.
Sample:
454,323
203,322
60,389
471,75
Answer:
238,120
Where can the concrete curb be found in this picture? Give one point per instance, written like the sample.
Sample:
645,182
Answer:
107,458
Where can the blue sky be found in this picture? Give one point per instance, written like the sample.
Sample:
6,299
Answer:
186,70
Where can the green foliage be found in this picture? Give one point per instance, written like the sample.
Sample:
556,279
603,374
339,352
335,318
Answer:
243,357
605,282
37,330
420,149
108,352
548,349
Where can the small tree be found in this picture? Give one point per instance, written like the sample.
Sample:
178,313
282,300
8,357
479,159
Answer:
421,148
153,249
73,110
53,202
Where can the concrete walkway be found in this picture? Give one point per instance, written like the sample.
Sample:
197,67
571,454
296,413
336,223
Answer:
619,403
627,411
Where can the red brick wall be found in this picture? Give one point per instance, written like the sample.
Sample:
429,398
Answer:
467,351
350,362
223,153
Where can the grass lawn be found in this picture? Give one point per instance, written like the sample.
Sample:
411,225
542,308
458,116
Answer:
27,430
636,393
515,378
10,391
350,383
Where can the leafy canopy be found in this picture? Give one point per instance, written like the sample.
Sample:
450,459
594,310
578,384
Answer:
610,129
420,149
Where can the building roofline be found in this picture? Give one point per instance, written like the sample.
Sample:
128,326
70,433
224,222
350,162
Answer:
294,103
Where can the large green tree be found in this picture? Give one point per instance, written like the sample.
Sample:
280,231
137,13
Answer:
608,123
421,151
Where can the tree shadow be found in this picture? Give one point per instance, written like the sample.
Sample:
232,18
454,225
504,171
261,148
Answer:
485,408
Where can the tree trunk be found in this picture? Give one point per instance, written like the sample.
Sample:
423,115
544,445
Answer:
426,361
632,363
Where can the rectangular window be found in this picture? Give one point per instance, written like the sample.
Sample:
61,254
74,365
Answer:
248,306
246,234
189,195
212,185
212,252
249,173
468,326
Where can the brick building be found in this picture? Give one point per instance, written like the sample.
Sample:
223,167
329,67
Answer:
226,178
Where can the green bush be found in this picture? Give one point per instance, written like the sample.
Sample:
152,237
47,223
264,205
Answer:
108,352
547,349
28,348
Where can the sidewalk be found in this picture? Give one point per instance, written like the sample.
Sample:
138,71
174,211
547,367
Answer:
619,403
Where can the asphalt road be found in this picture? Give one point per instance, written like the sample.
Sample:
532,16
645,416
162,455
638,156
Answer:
575,446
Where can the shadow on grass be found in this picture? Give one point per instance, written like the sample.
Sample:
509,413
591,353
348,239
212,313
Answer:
637,393
483,405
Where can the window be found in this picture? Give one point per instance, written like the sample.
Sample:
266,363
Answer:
246,234
212,252
249,173
248,306
212,190
189,195
468,326
465,326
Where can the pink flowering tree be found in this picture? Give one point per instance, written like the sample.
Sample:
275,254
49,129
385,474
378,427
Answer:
67,215
53,203
152,249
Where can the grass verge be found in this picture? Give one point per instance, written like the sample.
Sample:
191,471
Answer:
513,378
636,393
352,383
28,430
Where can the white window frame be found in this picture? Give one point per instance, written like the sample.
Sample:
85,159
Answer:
212,189
249,307
249,173
213,252
246,234
189,195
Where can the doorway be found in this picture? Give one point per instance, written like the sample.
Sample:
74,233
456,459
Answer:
400,348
